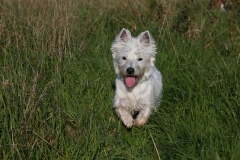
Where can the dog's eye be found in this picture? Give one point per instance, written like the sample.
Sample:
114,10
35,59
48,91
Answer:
140,59
124,58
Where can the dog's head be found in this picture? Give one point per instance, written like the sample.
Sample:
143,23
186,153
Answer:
133,57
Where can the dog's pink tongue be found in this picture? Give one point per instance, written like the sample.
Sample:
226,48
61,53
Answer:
130,81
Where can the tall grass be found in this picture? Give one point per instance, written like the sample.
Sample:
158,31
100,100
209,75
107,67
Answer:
57,80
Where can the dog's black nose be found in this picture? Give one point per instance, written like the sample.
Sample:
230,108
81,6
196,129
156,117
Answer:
130,70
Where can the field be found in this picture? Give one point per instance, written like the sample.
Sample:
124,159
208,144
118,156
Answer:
57,80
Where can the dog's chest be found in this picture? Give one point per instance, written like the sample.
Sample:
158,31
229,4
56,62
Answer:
132,103
137,98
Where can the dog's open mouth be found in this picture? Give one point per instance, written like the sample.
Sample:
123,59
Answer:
130,81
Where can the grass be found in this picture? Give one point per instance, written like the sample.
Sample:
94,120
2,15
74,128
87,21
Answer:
57,80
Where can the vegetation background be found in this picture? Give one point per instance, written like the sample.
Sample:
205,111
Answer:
57,80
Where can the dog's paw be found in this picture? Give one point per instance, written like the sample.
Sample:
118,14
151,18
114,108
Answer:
138,122
128,121
125,116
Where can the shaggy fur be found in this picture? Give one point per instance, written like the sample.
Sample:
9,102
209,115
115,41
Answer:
138,82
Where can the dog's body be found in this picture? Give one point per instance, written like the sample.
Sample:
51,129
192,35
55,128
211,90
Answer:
138,82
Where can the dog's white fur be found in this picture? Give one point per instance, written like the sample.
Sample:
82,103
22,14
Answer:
139,54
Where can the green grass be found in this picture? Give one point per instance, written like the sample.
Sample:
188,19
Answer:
57,80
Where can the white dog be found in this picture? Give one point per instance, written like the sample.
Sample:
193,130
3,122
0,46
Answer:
138,83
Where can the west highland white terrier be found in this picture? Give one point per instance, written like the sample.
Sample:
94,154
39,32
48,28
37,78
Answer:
138,83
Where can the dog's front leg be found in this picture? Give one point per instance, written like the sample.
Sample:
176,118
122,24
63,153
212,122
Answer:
125,116
142,117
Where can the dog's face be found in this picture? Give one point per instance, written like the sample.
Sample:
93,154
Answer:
133,57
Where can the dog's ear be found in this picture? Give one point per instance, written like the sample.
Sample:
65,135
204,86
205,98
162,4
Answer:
124,35
145,38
